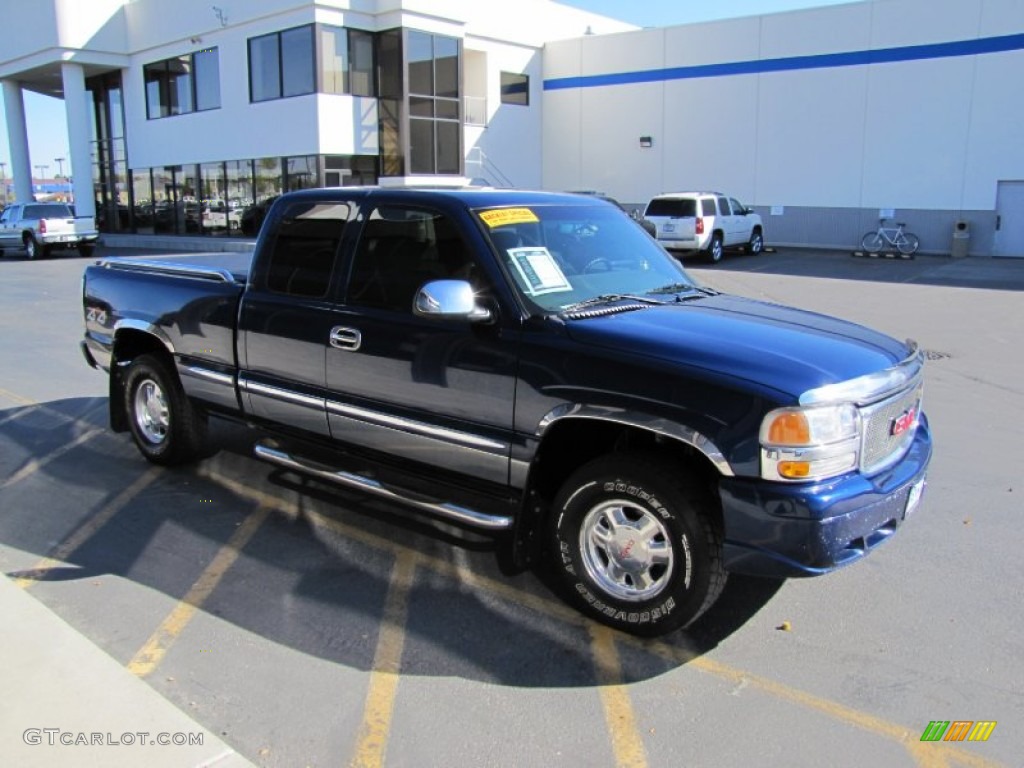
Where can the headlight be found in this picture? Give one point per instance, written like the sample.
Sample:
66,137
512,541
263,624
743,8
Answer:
809,443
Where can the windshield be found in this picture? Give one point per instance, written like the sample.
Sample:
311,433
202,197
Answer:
563,255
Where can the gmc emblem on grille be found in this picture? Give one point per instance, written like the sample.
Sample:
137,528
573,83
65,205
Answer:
903,422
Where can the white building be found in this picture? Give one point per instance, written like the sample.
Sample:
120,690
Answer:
190,114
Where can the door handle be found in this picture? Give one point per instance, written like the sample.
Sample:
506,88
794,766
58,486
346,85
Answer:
346,338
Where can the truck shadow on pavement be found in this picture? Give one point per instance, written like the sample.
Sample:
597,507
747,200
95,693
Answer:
316,574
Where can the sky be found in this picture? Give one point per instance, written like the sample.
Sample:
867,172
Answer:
47,129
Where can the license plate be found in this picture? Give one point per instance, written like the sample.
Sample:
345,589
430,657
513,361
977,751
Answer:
914,497
669,228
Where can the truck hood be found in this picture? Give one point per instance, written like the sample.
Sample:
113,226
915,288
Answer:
789,350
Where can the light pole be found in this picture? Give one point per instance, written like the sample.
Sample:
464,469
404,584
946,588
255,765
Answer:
60,166
42,174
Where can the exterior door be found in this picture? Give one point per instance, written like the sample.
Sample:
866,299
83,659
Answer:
287,315
7,232
437,392
1009,238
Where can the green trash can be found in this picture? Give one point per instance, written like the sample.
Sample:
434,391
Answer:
961,239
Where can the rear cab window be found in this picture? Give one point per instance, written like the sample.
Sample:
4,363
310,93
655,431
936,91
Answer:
305,248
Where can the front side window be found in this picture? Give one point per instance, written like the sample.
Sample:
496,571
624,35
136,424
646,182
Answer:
183,84
400,250
561,255
305,248
515,89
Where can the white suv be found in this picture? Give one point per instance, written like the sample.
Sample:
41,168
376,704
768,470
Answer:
705,221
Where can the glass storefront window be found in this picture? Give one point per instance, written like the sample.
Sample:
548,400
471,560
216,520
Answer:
213,207
239,193
142,194
301,172
188,201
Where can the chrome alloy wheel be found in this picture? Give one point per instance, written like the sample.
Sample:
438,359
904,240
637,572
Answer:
151,414
626,550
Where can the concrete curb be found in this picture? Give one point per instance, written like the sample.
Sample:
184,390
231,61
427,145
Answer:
66,702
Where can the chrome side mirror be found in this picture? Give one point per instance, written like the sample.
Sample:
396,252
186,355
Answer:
449,299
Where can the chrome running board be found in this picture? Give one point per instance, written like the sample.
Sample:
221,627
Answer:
351,480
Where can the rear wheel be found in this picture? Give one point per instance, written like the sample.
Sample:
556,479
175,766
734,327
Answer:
908,244
167,428
715,249
633,544
872,242
33,250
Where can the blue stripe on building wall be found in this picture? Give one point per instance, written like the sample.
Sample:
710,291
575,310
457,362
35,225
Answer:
789,64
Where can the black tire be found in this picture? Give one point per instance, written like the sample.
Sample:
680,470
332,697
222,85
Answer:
756,243
86,249
34,250
872,242
652,585
909,244
715,249
166,427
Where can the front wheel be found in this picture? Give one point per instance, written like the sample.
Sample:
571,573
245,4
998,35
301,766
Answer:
756,243
908,244
634,545
166,427
872,242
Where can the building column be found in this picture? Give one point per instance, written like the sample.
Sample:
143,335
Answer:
76,105
17,137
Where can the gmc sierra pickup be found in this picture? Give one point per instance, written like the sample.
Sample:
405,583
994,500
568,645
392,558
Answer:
531,365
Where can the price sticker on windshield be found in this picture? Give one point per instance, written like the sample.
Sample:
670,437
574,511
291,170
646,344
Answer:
539,271
502,216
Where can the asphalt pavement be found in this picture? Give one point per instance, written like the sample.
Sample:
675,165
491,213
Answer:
282,623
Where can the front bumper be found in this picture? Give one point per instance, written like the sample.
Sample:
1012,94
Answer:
776,529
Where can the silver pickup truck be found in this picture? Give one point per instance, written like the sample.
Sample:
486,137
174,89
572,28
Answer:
42,227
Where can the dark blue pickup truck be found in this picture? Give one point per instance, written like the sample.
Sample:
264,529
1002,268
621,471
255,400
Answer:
531,365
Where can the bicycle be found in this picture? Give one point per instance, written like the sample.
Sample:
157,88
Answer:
905,242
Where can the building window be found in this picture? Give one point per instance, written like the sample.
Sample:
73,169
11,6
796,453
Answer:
346,61
184,84
282,64
434,122
515,89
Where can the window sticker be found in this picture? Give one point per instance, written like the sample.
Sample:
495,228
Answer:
503,216
540,273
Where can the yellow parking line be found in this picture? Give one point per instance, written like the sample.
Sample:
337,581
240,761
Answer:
618,709
905,736
16,398
34,465
85,531
153,652
387,663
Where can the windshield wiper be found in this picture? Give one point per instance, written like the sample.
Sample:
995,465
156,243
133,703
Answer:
685,287
608,298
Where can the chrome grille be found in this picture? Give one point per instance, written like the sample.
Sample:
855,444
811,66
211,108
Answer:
881,446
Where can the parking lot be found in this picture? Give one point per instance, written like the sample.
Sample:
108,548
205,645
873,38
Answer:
305,626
